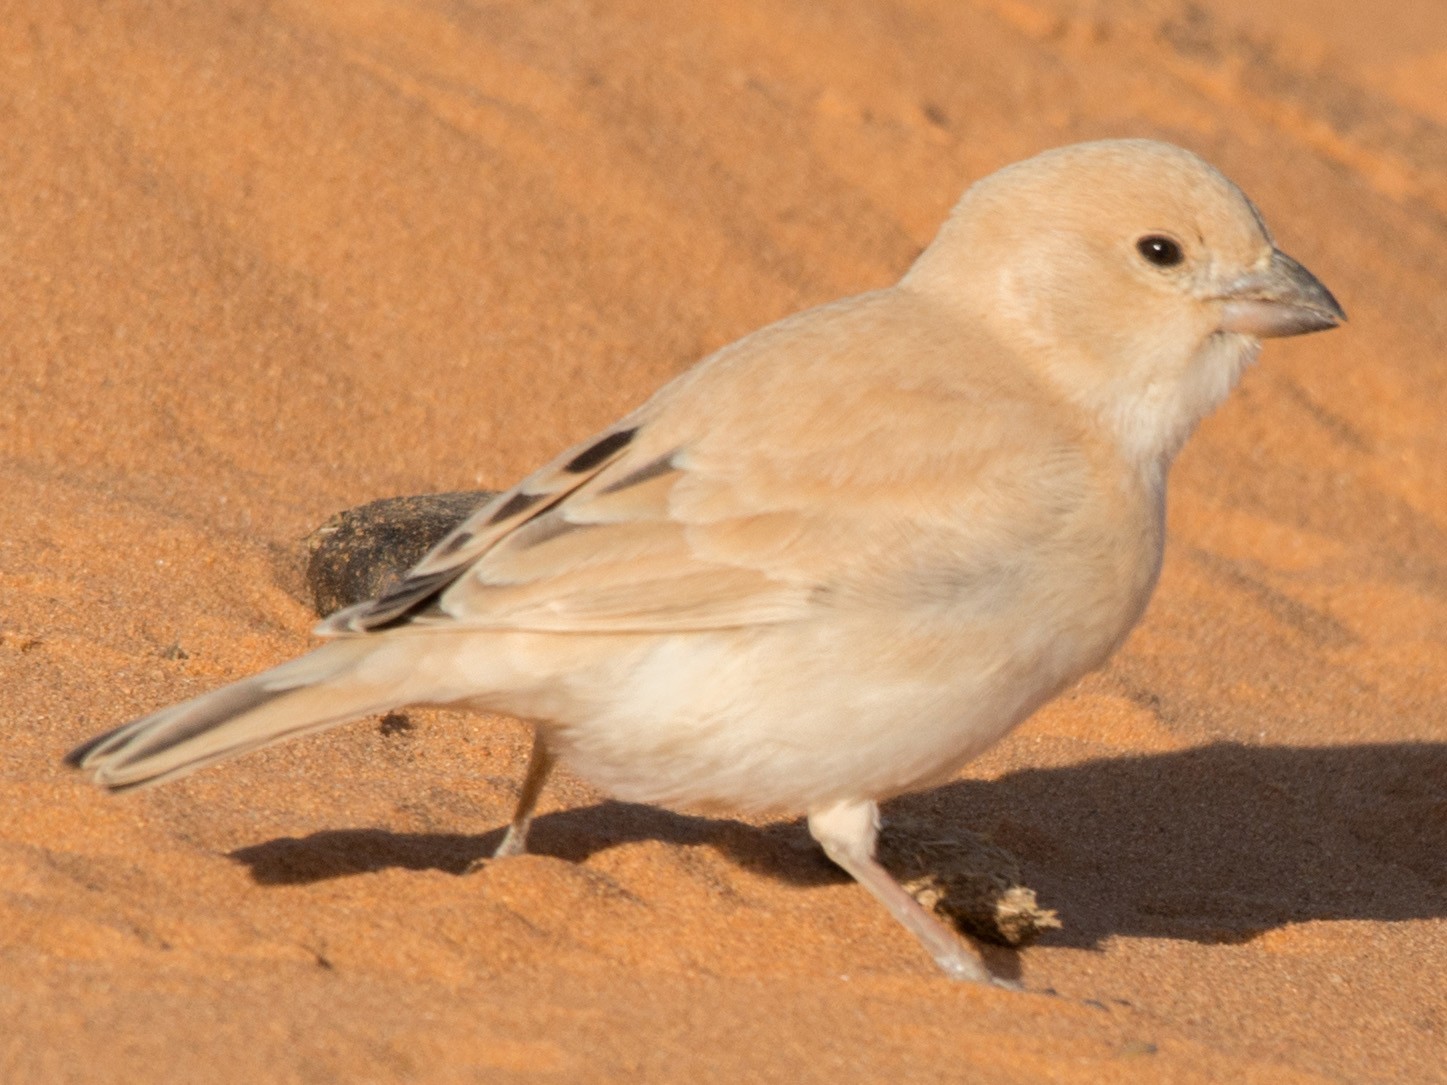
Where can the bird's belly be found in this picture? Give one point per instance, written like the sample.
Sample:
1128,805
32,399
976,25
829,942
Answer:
793,717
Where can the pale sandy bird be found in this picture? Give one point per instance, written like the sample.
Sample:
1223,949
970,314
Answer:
839,558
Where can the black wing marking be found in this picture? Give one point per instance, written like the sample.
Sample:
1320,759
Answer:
453,556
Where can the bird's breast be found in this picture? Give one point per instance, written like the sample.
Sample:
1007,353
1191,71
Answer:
1046,603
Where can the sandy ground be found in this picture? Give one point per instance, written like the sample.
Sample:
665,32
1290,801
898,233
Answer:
259,262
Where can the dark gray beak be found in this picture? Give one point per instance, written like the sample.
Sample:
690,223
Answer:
1282,299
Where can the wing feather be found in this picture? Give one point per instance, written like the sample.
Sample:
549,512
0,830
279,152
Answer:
593,543
464,545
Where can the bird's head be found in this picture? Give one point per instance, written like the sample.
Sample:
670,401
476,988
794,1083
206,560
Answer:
1130,274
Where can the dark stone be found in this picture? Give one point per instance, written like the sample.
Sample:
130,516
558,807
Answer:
361,553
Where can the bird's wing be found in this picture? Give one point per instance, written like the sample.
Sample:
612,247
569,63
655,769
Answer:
611,537
784,472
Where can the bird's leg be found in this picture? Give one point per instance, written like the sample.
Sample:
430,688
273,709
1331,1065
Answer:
847,832
540,763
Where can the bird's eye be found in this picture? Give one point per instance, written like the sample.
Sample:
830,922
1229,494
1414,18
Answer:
1161,251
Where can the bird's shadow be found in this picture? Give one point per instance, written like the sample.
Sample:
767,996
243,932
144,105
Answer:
1214,844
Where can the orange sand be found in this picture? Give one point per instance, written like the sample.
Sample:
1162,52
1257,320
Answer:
264,261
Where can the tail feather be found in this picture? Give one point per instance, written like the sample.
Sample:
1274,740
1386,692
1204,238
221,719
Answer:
321,689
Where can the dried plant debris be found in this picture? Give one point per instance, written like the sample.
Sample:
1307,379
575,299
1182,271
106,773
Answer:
360,553
965,878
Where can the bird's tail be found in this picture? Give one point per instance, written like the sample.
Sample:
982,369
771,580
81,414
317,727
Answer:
326,687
